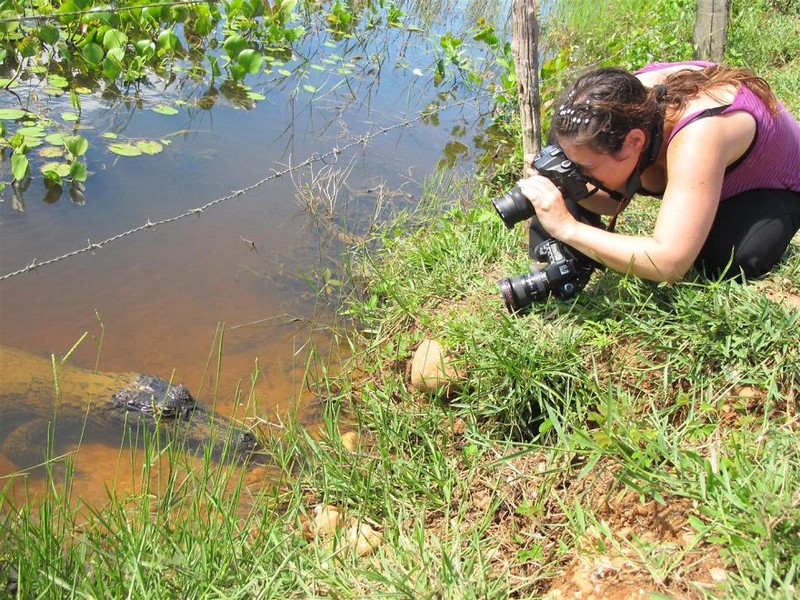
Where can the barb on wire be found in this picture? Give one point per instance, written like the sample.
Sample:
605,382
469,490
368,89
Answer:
275,174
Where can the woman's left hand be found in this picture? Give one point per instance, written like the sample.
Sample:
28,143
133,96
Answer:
549,204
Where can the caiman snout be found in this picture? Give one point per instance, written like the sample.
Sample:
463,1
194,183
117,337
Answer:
155,396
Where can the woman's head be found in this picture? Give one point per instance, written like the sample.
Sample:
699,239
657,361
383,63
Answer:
600,108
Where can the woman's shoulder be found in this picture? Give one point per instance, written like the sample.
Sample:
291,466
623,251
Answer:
655,73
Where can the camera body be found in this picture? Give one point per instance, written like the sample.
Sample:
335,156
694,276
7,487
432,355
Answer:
552,163
566,271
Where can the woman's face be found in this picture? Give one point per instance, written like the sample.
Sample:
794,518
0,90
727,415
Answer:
612,170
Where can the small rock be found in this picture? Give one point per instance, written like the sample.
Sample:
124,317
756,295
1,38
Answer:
327,520
363,539
350,441
718,574
431,368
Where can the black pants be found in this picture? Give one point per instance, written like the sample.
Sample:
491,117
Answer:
750,233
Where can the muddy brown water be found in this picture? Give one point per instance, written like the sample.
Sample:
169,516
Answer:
225,301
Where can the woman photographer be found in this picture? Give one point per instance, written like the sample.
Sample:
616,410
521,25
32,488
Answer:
712,142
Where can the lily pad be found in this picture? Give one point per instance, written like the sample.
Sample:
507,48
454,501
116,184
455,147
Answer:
149,146
62,169
109,135
11,114
124,149
165,110
51,152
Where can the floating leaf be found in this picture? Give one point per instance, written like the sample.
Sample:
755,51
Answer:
11,114
51,152
69,116
165,110
149,146
59,168
109,135
35,131
57,81
309,88
256,96
124,149
56,139
53,91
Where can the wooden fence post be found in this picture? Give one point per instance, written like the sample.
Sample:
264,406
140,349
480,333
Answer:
711,30
525,46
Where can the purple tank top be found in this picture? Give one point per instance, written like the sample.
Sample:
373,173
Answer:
773,159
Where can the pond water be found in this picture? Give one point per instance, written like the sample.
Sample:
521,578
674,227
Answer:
227,298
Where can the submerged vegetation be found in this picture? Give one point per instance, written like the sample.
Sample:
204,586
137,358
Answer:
639,440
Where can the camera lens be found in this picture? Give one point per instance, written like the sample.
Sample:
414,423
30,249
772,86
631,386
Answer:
513,207
521,291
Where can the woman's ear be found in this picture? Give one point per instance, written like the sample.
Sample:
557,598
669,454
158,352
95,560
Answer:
635,141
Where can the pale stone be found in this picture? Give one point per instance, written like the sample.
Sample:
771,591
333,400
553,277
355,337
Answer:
350,441
327,520
363,539
431,368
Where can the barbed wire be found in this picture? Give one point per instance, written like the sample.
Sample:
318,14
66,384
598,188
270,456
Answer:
316,157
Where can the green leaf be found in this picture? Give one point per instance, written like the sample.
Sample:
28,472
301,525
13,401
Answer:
233,46
19,166
69,116
149,146
28,47
114,38
92,54
112,65
78,171
169,41
48,34
109,135
11,114
165,110
56,139
76,144
146,48
124,149
251,60
57,81
309,88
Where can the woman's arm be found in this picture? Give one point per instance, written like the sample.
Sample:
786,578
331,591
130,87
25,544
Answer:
696,160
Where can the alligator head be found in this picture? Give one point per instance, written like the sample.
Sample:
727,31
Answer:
157,397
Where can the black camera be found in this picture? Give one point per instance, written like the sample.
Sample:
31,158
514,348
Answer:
566,271
563,276
552,163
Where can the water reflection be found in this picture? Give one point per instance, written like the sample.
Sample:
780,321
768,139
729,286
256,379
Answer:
153,302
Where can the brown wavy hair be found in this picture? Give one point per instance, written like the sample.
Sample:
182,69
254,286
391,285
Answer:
599,108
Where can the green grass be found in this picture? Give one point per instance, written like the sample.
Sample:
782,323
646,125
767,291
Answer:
643,436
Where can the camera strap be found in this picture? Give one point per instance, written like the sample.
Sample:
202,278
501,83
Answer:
634,183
